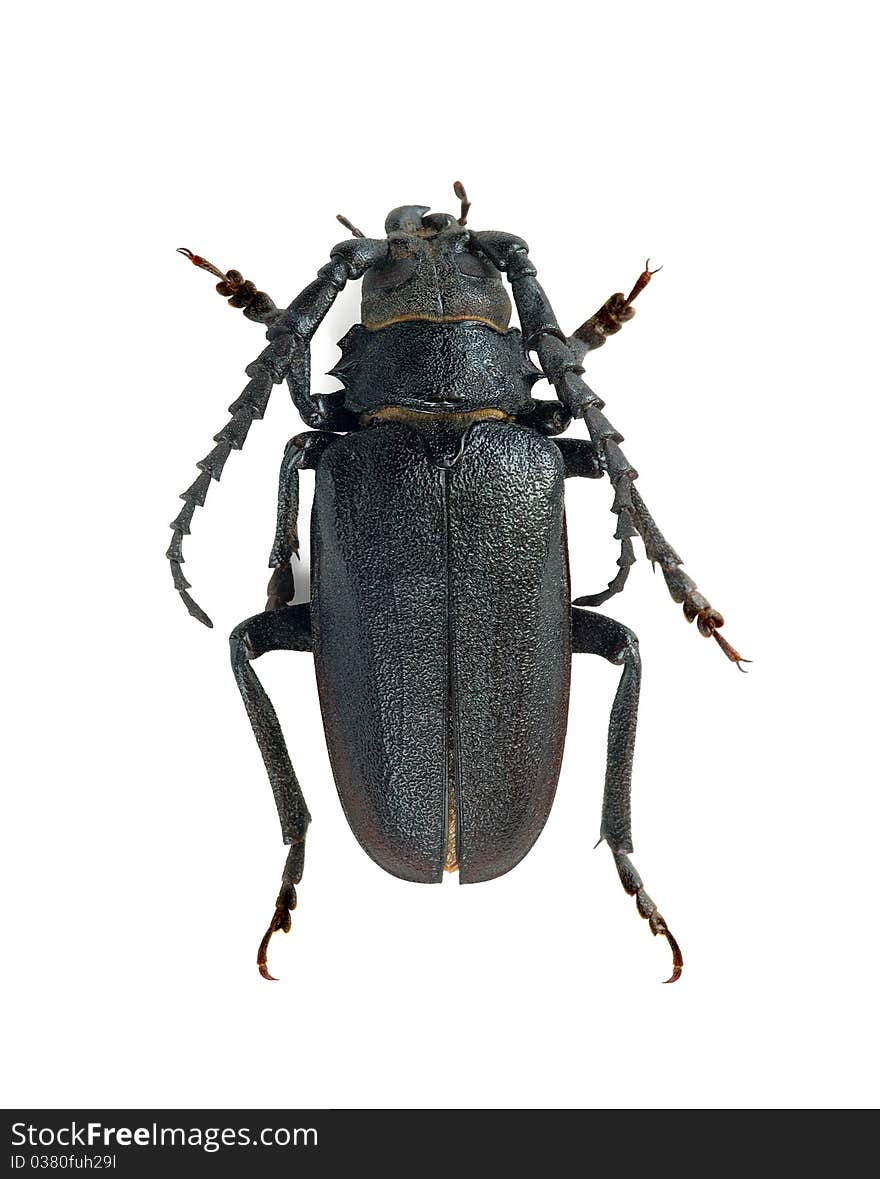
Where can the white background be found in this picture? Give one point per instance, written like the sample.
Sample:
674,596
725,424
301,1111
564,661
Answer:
737,146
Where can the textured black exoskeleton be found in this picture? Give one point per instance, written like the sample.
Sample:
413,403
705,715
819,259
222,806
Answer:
441,618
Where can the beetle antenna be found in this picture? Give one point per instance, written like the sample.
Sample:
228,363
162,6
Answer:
353,229
459,190
263,373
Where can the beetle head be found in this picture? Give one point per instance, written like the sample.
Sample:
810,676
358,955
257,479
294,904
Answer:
417,220
432,272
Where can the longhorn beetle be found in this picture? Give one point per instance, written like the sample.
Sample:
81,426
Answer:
440,619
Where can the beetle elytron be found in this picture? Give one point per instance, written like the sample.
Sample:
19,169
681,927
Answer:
440,617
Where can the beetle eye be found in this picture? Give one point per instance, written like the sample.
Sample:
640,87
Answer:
470,264
393,274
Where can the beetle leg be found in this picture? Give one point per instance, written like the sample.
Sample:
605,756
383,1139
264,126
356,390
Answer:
301,454
622,507
582,460
595,634
288,629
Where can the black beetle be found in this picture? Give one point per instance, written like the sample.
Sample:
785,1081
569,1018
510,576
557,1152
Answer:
440,617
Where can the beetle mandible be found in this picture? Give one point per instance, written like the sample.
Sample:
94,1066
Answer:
440,619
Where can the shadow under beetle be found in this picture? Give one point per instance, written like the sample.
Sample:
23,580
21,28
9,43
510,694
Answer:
440,619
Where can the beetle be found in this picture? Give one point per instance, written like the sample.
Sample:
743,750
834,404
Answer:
440,620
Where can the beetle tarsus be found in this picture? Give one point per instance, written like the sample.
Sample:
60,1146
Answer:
731,652
280,922
641,282
202,263
239,291
611,316
708,622
632,884
677,960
